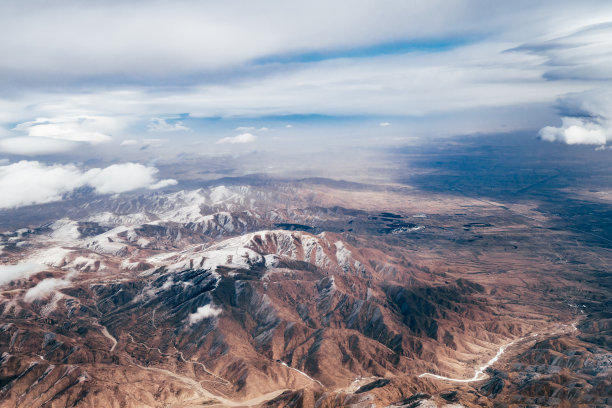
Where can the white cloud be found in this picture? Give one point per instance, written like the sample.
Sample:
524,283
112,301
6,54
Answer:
129,142
59,134
31,182
23,270
35,146
576,131
384,124
162,125
37,262
84,128
119,178
239,139
251,129
45,288
163,183
204,312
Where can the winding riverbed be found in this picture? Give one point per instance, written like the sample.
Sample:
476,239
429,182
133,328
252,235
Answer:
479,374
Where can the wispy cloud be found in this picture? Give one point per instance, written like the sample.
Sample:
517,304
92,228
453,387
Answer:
22,270
87,129
162,125
239,139
129,142
251,129
35,146
51,135
45,288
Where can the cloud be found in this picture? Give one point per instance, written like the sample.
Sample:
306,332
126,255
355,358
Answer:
204,312
59,134
162,125
129,142
126,41
45,288
35,146
384,124
251,129
163,183
9,273
421,62
31,182
119,178
576,131
73,128
239,139
37,261
584,54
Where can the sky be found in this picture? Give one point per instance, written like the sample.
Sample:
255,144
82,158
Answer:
85,86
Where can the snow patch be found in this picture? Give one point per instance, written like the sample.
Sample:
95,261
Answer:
65,230
271,260
108,242
108,219
343,256
126,264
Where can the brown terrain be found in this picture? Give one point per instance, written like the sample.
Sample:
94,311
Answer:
309,295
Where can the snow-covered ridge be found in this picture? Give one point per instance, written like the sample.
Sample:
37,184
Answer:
265,249
129,240
185,206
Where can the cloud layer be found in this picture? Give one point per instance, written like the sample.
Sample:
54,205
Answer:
32,182
126,41
93,75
